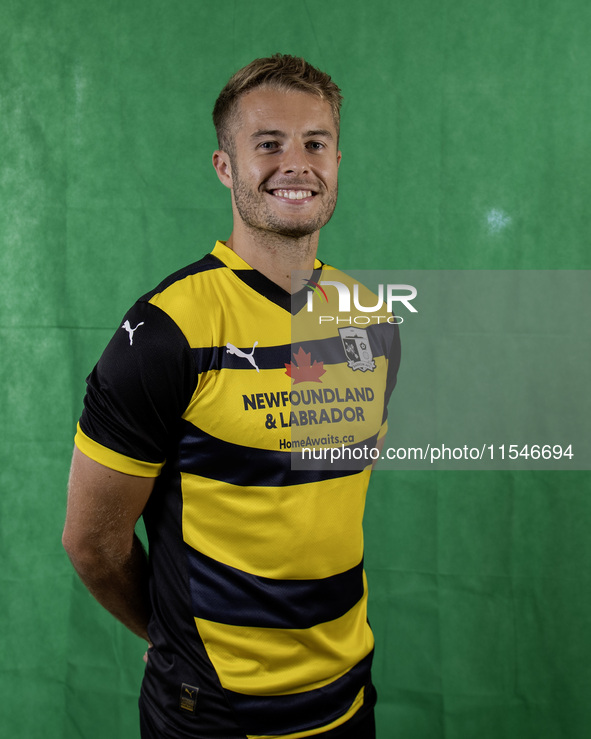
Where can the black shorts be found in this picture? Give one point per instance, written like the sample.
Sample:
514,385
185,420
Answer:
356,728
359,727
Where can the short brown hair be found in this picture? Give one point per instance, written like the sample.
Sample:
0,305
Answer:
281,71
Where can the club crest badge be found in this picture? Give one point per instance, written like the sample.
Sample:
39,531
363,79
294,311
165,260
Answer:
357,348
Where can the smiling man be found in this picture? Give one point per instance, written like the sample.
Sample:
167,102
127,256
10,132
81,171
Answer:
253,599
280,159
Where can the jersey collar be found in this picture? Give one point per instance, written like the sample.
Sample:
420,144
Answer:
261,284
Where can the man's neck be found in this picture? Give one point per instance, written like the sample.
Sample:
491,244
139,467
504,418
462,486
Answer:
273,255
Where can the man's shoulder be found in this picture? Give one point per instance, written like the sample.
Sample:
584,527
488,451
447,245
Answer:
191,297
205,264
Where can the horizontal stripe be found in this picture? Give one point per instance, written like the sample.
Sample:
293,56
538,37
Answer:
356,705
319,459
114,460
295,532
230,596
330,351
218,358
203,454
281,714
262,661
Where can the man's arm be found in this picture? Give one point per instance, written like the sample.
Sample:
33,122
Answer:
99,537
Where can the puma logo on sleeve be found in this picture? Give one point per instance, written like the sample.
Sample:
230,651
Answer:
131,331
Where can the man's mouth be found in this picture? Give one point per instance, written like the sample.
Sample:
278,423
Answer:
291,194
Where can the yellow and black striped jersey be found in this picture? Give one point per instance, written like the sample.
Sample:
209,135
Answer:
259,620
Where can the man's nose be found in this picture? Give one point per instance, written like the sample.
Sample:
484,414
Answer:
295,160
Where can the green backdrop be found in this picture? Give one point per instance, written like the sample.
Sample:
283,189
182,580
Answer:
465,144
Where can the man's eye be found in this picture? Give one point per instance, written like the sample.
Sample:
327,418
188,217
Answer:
268,145
315,145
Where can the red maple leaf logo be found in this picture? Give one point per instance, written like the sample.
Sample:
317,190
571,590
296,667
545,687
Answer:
302,370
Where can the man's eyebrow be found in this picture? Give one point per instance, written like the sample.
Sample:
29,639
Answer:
321,132
261,133
267,132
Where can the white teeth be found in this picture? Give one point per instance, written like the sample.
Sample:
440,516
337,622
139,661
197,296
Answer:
293,194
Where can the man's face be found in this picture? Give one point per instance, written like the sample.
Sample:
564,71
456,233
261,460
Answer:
284,162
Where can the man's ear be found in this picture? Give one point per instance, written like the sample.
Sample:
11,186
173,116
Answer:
222,166
339,155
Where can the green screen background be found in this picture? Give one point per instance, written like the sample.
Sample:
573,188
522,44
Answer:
466,144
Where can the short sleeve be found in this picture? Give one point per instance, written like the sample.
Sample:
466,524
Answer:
137,393
393,356
391,338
